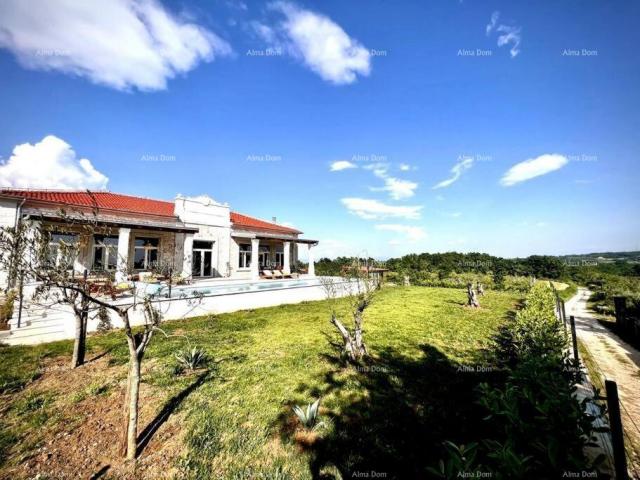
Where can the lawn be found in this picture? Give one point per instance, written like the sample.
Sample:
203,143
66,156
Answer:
234,420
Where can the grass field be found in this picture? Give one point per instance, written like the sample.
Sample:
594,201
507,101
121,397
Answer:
234,420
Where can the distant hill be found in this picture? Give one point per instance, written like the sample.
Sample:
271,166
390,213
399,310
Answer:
604,257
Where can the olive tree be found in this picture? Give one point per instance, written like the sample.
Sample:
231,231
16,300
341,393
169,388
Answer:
27,252
362,290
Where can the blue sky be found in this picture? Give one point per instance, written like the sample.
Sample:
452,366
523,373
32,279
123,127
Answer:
401,99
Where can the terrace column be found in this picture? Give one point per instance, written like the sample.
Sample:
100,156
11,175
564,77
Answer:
286,249
122,270
312,267
187,255
255,266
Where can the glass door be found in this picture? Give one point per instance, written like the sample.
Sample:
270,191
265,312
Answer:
202,259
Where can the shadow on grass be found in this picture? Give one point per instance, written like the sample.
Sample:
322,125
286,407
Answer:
401,412
169,407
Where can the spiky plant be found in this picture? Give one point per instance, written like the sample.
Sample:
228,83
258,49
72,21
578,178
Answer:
191,359
309,417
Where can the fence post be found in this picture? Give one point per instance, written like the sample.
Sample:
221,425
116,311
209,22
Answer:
620,304
572,320
564,315
617,434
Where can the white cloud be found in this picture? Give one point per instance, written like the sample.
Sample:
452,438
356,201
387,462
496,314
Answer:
404,167
118,43
411,233
509,34
373,209
50,163
379,169
342,165
493,22
321,44
465,164
533,167
397,188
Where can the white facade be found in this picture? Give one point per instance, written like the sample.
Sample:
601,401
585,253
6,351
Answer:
201,241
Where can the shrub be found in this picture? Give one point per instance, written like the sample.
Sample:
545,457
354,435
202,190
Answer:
6,309
309,417
191,358
104,320
539,430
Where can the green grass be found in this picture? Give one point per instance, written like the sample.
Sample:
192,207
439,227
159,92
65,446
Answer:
391,415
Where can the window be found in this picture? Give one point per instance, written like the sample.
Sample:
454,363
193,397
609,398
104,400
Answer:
105,252
63,250
245,256
145,255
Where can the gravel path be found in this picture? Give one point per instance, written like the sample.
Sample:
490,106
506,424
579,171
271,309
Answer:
616,360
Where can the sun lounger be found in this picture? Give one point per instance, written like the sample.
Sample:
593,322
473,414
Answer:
267,274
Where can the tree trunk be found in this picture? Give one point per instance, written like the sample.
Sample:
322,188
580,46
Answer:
134,394
80,343
471,295
131,401
354,347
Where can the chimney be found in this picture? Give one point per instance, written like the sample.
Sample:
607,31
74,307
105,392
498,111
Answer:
274,220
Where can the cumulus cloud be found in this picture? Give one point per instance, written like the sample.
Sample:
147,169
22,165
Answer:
411,233
397,188
342,165
373,209
122,44
508,34
533,167
50,163
458,169
320,43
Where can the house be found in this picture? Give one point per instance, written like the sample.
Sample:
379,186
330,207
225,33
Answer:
196,236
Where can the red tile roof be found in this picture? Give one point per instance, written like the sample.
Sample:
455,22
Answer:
100,200
129,204
251,223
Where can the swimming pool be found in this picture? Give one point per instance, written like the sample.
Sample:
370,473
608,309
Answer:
184,291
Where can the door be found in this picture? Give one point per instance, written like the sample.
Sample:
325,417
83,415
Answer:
202,259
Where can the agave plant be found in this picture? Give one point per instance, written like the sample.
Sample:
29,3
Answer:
192,358
309,417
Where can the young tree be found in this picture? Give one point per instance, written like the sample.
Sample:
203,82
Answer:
29,253
362,291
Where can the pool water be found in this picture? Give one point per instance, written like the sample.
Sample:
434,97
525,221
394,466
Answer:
162,291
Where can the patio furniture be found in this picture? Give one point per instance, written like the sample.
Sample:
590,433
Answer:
268,274
277,274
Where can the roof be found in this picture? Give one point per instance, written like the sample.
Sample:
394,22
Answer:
250,223
100,200
129,204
